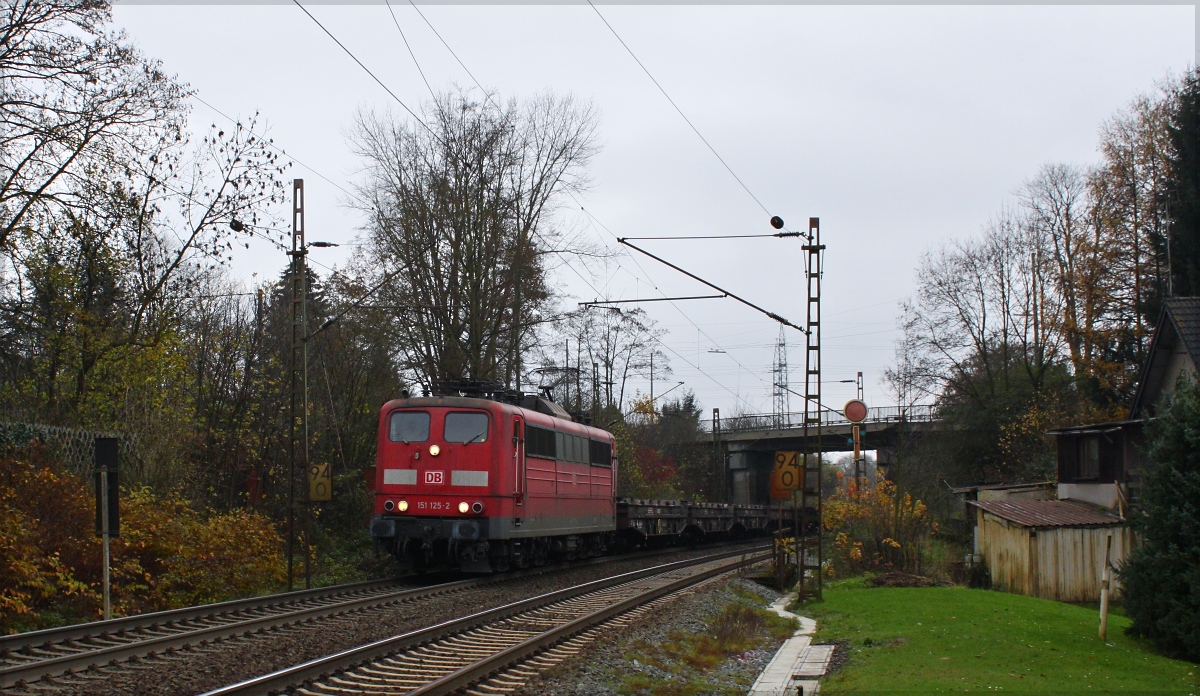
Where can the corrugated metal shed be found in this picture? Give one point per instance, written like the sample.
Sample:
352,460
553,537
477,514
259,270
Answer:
1052,549
1048,513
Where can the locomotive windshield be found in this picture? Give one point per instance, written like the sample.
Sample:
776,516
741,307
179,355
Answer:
409,426
466,427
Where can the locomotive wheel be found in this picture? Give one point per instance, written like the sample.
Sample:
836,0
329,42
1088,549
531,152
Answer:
500,557
541,551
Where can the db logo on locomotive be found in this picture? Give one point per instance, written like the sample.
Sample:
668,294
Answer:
434,477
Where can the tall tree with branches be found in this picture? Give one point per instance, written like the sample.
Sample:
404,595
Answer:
460,210
1183,189
75,98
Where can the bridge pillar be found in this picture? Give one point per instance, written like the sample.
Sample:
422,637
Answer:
750,476
885,457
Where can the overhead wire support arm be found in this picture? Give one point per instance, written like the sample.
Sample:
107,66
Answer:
602,303
693,276
726,236
357,304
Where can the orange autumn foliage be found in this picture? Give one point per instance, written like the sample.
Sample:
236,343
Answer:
874,528
168,555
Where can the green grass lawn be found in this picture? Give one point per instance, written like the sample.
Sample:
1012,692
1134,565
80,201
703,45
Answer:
952,639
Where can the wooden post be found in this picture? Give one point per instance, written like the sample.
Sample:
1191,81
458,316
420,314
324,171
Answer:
1104,589
779,553
108,515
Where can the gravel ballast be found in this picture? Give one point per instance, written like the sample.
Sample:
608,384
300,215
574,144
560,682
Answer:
623,664
204,668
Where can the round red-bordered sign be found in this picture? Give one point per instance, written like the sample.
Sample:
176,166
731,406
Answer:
855,410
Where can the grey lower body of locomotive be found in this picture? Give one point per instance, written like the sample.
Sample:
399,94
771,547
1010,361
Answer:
487,544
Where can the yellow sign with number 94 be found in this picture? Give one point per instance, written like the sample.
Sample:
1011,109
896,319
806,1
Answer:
320,483
786,475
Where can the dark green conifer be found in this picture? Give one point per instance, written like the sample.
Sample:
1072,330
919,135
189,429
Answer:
1183,189
1161,578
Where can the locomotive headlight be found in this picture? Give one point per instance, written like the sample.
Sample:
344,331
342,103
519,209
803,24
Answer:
463,507
434,450
476,508
388,505
402,506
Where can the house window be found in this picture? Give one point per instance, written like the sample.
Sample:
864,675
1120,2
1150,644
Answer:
1089,458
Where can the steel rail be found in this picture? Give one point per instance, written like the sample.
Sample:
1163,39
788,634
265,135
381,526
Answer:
76,659
74,662
32,639
489,666
279,681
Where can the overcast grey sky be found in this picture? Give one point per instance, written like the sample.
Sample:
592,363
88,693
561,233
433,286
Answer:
900,127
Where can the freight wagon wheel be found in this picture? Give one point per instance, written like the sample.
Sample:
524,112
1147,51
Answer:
692,535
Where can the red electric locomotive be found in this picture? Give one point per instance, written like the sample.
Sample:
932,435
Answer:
488,484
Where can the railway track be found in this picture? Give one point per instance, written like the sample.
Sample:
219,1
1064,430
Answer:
30,648
84,650
497,649
27,657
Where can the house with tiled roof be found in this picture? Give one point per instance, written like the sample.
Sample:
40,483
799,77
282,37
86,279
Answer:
1175,349
1055,548
1100,463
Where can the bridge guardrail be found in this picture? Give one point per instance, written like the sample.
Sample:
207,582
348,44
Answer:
917,413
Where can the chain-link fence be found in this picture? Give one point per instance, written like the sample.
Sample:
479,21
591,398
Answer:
74,448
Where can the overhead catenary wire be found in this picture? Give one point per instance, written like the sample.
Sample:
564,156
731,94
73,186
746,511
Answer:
723,236
409,47
451,50
677,109
602,303
748,303
367,70
676,353
662,343
646,275
489,98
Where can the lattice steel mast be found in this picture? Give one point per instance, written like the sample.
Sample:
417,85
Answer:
298,375
808,537
779,381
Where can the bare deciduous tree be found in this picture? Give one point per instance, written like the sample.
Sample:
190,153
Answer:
90,283
621,345
1043,319
458,213
74,99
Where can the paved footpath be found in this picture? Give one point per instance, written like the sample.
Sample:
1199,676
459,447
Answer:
798,664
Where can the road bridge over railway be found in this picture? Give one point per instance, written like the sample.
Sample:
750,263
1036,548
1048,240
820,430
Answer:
749,442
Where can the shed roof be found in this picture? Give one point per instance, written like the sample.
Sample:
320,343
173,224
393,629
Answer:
1047,513
1111,426
1001,487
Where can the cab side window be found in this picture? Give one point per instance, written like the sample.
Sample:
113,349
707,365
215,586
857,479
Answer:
540,442
601,453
